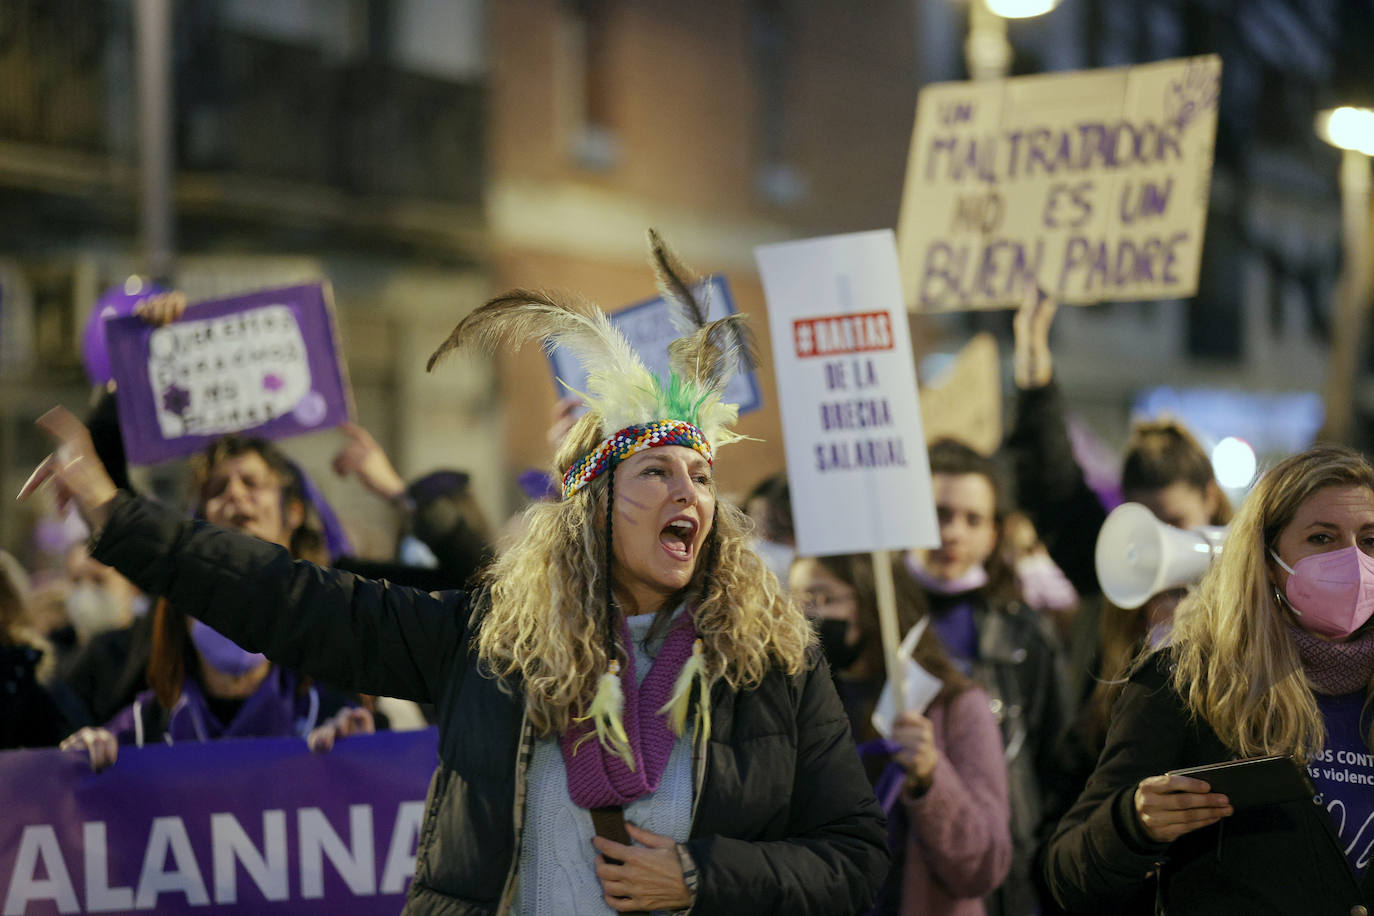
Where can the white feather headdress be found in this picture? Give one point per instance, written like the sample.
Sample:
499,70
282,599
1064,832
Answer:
621,391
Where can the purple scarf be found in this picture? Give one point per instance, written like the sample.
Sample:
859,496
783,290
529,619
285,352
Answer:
1335,668
598,778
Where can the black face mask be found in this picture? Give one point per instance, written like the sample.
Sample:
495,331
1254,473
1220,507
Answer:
837,653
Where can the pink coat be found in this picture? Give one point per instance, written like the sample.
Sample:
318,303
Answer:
958,836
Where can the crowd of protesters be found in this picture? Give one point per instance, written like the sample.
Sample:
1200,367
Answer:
1035,780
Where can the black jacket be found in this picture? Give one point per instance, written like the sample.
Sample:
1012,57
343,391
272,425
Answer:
111,670
1018,666
1279,859
1067,514
784,820
28,715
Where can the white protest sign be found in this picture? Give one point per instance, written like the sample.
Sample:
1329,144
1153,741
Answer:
1092,185
240,370
856,457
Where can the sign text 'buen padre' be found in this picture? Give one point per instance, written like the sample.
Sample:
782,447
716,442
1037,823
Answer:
1092,185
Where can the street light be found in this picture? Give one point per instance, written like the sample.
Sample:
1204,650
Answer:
987,50
1021,9
1348,128
1351,130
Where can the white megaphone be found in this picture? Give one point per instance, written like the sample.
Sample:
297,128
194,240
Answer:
1138,556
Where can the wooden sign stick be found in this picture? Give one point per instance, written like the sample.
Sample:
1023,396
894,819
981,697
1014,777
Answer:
887,626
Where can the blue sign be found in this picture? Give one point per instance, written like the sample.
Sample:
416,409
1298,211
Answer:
650,331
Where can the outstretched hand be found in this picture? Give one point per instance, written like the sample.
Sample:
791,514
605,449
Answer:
74,469
649,876
1032,362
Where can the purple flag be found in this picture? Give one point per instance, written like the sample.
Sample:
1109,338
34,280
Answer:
230,827
267,363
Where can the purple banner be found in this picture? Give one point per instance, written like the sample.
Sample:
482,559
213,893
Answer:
267,363
236,826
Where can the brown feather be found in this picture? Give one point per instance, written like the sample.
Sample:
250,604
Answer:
716,352
512,318
677,282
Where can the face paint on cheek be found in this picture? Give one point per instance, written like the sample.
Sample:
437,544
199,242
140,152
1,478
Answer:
631,501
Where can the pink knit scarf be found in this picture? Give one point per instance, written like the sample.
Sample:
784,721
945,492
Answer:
1335,668
597,777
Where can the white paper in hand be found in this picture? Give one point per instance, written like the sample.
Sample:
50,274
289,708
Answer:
921,686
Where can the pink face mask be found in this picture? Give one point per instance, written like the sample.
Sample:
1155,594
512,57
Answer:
1333,592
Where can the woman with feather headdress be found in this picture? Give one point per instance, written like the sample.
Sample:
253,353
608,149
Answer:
631,715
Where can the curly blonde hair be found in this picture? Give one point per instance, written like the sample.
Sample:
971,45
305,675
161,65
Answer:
546,624
1236,666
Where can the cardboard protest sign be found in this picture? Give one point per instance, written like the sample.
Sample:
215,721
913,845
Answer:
649,330
1092,185
856,457
965,403
267,363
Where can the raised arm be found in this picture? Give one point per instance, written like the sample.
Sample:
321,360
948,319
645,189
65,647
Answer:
1050,485
353,633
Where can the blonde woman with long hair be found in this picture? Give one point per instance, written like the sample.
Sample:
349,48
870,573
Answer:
631,716
1273,654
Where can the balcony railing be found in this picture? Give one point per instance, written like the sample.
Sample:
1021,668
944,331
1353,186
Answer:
246,106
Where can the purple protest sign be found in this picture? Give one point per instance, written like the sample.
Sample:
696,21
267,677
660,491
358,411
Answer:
232,827
266,363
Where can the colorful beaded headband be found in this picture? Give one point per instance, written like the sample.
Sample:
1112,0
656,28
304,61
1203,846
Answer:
629,441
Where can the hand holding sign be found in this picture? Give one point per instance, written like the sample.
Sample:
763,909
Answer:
162,309
917,753
98,743
351,720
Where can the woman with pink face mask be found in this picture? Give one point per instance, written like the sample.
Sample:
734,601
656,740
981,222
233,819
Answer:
1273,654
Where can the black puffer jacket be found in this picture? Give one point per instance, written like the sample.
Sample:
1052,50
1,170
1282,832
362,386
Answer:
1280,860
784,819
